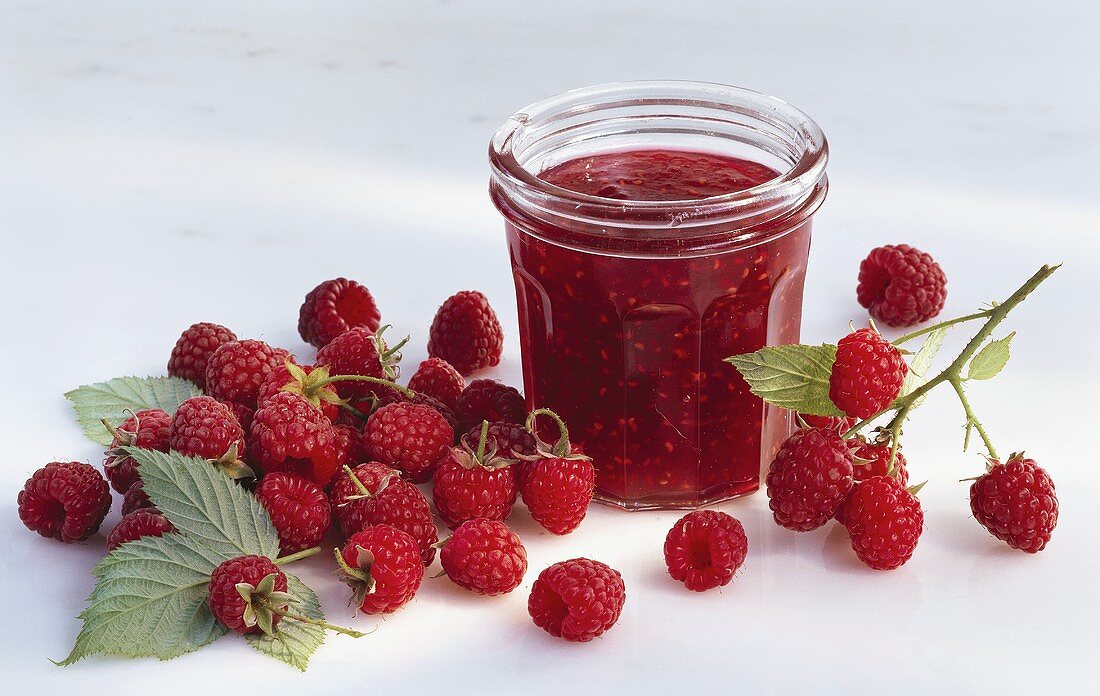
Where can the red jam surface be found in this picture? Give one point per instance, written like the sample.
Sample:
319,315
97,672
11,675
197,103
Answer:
630,350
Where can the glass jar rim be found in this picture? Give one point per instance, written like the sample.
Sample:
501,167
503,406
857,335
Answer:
805,174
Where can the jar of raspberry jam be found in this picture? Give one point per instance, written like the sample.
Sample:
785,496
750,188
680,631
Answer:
655,229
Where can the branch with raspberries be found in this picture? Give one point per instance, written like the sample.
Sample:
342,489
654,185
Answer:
829,469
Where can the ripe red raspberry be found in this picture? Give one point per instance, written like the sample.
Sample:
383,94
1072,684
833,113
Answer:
237,369
439,380
484,556
559,482
263,583
392,396
867,374
299,509
466,332
901,285
204,427
244,416
1017,503
871,459
147,429
65,501
704,549
577,599
378,495
333,307
382,566
136,499
138,524
511,440
489,400
473,483
193,350
841,424
809,478
364,353
411,438
349,445
290,434
884,520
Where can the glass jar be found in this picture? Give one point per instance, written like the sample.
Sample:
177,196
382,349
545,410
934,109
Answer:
628,308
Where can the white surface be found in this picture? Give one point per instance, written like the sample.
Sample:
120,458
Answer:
162,165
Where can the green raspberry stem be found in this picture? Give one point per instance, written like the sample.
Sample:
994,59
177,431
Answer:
305,553
364,378
971,419
953,372
294,616
941,325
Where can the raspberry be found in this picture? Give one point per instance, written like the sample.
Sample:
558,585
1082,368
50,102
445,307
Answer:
1017,503
298,509
382,566
809,478
138,524
237,369
439,380
557,492
392,396
489,400
305,381
244,415
511,440
704,549
256,577
869,459
193,350
484,556
360,352
147,429
841,424
867,374
577,599
65,501
136,499
206,428
349,445
333,307
466,333
411,438
290,434
471,484
884,520
378,495
901,285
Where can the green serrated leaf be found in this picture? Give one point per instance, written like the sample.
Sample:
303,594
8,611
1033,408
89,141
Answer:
921,363
110,400
150,601
205,503
294,641
795,377
991,359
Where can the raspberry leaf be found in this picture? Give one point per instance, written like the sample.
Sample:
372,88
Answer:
150,601
921,363
294,642
991,359
110,400
205,503
795,377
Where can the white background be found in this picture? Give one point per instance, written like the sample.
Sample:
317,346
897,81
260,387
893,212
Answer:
168,163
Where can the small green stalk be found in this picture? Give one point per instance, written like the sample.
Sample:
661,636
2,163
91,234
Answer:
953,373
941,325
293,616
305,553
364,378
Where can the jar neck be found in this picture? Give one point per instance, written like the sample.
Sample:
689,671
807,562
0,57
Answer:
659,115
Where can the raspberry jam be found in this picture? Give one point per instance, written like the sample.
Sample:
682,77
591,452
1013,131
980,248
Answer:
641,263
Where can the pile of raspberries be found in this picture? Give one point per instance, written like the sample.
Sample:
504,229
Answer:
339,443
